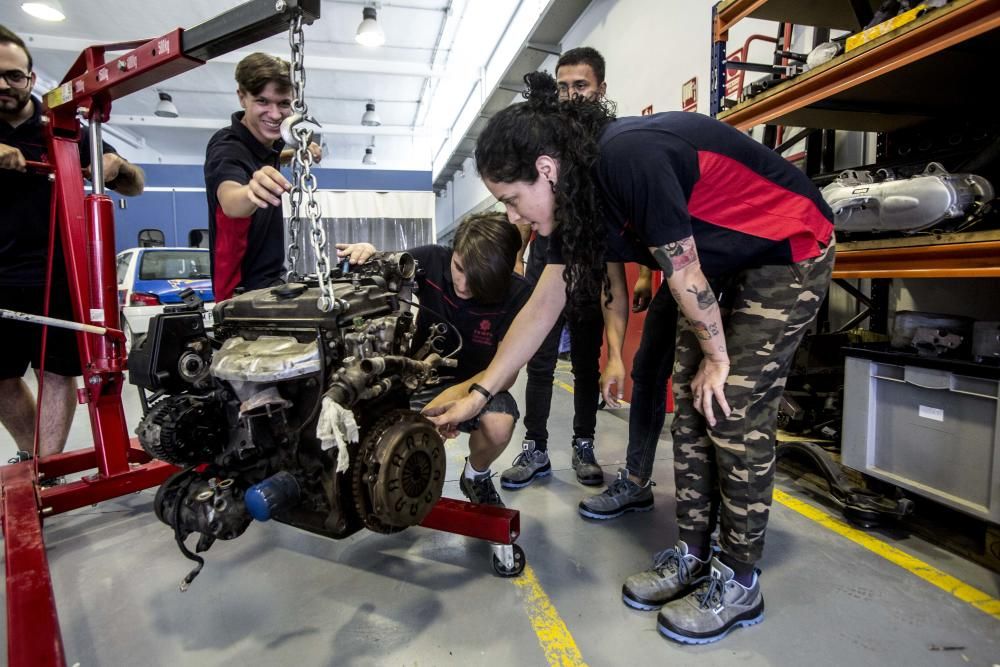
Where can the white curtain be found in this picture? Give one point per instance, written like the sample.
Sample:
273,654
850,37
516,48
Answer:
387,220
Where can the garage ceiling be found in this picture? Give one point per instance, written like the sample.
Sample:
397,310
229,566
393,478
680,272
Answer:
436,55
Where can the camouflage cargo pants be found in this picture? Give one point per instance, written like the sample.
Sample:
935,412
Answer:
732,464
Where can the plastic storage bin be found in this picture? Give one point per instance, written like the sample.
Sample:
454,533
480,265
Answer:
926,425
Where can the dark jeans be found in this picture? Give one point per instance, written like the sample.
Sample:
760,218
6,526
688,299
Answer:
586,330
651,368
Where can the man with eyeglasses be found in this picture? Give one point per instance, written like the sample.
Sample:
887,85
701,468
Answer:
25,199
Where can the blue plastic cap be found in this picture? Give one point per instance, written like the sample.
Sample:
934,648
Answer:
257,502
264,499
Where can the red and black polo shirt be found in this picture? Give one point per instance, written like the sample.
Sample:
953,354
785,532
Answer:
245,252
672,175
481,325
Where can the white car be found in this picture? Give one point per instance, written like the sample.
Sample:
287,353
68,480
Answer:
151,278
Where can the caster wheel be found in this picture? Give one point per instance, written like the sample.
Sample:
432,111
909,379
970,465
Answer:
518,566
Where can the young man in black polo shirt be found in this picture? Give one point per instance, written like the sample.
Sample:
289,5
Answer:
473,291
245,227
25,199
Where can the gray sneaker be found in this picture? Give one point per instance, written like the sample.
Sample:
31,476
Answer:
585,463
672,576
716,606
620,497
480,491
528,465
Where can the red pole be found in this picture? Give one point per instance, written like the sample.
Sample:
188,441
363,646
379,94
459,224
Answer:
33,637
87,225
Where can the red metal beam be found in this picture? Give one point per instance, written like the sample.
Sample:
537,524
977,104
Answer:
79,460
484,522
729,13
33,637
950,260
102,363
92,490
91,77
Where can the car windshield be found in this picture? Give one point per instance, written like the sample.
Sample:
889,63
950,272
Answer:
173,264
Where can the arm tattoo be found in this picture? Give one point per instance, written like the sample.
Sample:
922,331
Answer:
706,299
705,331
675,256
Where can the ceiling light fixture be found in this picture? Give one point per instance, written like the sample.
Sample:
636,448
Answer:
369,157
369,31
166,108
370,117
46,10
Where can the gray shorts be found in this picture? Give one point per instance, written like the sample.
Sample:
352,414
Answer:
503,403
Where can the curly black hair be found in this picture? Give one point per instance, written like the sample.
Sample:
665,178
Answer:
568,131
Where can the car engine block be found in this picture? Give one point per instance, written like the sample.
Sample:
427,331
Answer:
291,413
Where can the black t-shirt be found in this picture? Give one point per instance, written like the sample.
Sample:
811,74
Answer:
245,252
25,198
482,326
539,250
672,175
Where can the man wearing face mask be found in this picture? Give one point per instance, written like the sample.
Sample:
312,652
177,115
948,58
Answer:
25,201
243,183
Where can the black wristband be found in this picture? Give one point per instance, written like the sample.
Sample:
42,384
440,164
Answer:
482,390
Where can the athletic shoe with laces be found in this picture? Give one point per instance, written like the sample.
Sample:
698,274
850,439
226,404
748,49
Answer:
529,464
672,576
713,609
19,457
621,496
480,491
588,472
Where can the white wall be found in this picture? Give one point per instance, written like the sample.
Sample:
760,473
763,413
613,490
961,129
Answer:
651,47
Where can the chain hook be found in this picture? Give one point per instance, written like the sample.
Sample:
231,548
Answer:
290,129
297,134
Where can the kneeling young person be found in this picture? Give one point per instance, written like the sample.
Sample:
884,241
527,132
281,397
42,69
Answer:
473,291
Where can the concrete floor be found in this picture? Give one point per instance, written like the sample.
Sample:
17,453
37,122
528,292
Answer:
278,596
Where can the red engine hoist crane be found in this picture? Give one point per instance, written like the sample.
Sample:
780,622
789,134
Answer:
86,226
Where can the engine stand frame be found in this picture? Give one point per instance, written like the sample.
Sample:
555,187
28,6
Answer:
86,226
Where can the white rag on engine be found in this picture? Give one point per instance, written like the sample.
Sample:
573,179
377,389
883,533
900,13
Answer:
336,428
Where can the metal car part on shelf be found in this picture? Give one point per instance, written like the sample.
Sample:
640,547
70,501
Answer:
861,203
860,506
824,53
253,420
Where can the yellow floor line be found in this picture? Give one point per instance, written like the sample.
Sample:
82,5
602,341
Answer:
553,635
972,596
563,385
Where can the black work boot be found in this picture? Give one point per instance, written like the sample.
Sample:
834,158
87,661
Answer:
585,464
480,491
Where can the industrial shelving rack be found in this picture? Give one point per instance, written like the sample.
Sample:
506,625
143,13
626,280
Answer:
937,67
925,69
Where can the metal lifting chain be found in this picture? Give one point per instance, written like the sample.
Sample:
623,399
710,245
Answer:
297,134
